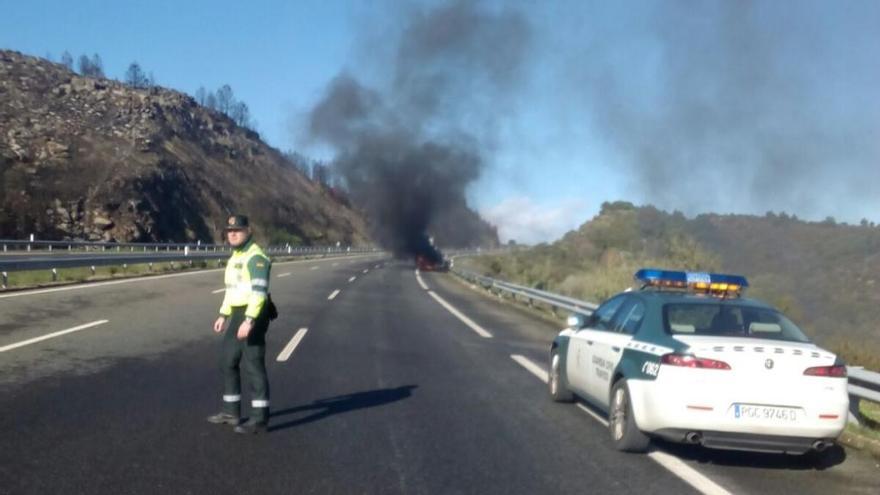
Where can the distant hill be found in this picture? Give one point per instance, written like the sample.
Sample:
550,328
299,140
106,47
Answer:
92,158
825,275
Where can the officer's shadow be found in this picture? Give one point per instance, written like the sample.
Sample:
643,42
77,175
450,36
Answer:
342,404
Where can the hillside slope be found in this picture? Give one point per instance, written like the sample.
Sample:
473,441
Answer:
825,275
94,159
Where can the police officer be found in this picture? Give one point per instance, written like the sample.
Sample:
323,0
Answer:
243,318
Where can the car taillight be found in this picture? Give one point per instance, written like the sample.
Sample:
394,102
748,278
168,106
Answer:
688,361
836,371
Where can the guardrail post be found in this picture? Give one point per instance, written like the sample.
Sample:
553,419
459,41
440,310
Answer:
186,251
5,278
855,416
50,248
4,248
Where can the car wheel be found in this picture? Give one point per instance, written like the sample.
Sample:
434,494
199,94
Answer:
558,388
621,422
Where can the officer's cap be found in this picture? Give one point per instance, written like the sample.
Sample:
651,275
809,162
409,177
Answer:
237,222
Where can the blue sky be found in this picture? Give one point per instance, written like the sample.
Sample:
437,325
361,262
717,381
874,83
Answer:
651,102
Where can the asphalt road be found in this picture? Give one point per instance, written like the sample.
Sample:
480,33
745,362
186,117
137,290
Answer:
387,391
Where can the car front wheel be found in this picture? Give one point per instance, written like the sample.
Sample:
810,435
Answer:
621,422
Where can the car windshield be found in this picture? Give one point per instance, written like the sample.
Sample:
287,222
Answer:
729,320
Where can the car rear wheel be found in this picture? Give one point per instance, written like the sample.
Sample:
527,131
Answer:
558,389
621,422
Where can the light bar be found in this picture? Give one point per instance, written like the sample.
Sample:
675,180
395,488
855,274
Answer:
698,281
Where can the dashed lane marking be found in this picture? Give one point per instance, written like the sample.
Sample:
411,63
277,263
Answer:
291,346
283,275
336,264
333,295
51,335
315,267
218,291
482,332
419,279
366,270
530,365
676,466
352,279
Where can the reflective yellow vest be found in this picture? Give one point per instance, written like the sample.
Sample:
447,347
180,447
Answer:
247,280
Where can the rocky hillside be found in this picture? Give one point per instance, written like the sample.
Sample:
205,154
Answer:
86,158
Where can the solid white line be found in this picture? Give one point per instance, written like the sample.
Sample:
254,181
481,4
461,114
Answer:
671,463
482,332
531,366
366,270
283,275
333,295
51,335
315,267
289,348
593,414
419,279
688,474
218,291
351,279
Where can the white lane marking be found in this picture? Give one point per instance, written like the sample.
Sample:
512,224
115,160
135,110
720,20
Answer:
333,295
351,279
377,267
287,274
688,474
482,332
289,348
315,267
531,366
134,280
593,414
51,335
671,463
366,270
336,264
419,279
218,291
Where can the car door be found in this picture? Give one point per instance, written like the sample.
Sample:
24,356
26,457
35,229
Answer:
580,353
608,345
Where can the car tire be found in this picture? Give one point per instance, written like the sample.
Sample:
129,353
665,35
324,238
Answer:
559,391
625,432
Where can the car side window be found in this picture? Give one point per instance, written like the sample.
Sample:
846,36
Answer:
630,317
603,315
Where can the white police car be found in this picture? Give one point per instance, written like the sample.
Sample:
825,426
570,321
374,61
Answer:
687,359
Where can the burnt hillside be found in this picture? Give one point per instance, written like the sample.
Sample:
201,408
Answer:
89,158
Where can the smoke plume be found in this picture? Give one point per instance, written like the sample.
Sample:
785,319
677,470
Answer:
408,148
745,105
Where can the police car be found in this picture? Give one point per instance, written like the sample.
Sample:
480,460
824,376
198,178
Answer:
688,359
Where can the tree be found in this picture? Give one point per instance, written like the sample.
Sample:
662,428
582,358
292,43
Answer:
135,76
211,100
201,95
151,80
320,173
241,114
67,60
225,99
85,65
97,66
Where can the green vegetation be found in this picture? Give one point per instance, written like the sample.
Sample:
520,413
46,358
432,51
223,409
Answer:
40,278
823,275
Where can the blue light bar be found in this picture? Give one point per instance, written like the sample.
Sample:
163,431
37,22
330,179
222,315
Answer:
669,278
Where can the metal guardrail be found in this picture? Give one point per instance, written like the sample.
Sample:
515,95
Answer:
97,254
863,384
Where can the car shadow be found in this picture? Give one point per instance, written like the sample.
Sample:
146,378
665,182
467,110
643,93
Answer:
818,461
324,408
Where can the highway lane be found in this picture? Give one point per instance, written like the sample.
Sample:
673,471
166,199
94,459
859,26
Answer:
387,392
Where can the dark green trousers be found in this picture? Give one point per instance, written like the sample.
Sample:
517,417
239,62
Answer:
248,357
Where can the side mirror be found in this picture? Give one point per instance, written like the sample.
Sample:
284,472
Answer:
575,321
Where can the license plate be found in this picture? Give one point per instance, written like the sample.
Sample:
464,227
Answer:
751,412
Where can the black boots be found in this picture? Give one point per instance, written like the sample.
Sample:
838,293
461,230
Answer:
252,426
224,418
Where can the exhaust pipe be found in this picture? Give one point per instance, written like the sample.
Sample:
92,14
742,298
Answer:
820,445
693,437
